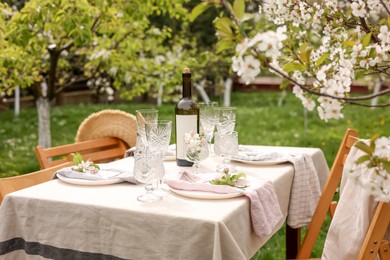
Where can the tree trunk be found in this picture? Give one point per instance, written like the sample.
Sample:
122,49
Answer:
377,88
44,135
228,92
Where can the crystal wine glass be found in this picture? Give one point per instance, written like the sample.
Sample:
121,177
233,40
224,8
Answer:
158,135
144,116
207,120
196,149
225,119
226,146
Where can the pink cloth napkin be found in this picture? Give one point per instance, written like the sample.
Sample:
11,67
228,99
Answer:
265,209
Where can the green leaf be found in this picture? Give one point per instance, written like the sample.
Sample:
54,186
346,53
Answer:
293,66
285,83
349,43
198,10
239,9
360,74
322,59
304,53
386,165
366,40
363,159
364,147
223,24
224,44
372,140
77,158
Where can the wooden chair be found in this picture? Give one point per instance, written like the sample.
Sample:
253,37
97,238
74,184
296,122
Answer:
378,225
11,184
98,150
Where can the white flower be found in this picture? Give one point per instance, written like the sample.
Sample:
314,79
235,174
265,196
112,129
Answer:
384,34
112,71
238,65
251,68
109,91
382,147
127,78
358,8
330,110
242,47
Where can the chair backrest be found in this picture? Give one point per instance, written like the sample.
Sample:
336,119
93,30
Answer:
372,242
98,150
11,184
328,192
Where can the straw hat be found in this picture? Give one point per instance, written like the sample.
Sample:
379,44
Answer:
109,123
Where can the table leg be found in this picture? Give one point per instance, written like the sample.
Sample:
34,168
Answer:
293,236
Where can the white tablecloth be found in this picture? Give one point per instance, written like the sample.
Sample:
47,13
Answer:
60,220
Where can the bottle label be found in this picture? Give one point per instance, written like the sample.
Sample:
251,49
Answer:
184,124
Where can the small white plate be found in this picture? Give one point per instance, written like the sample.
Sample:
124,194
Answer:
88,182
259,163
206,195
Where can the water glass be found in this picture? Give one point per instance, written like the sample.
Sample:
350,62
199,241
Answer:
226,146
144,116
150,170
225,119
196,153
208,120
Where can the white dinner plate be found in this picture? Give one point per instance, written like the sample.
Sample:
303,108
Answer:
205,194
89,182
258,163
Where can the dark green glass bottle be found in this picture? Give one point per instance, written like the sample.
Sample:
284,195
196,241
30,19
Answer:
186,118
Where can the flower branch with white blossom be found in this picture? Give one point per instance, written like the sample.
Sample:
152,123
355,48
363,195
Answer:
320,47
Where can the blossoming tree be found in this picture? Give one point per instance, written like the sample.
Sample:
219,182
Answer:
48,46
318,46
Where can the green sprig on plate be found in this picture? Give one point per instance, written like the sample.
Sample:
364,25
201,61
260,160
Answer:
84,166
229,179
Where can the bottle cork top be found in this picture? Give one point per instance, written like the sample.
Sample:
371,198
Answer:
186,70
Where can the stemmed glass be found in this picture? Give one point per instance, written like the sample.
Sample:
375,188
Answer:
226,146
144,116
158,135
196,149
208,120
225,119
225,123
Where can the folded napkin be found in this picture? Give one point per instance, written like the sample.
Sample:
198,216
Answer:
107,171
305,190
265,209
260,156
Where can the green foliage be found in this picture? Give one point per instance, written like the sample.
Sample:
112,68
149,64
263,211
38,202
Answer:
81,166
239,9
134,46
229,179
198,10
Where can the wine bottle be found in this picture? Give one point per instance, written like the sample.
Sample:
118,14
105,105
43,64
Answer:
186,118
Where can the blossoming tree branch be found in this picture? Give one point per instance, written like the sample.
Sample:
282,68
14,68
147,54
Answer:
319,47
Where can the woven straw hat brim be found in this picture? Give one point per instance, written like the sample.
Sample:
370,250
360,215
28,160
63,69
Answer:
109,123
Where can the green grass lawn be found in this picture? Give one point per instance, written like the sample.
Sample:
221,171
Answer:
259,121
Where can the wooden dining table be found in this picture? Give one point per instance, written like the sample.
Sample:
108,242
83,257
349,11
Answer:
59,220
